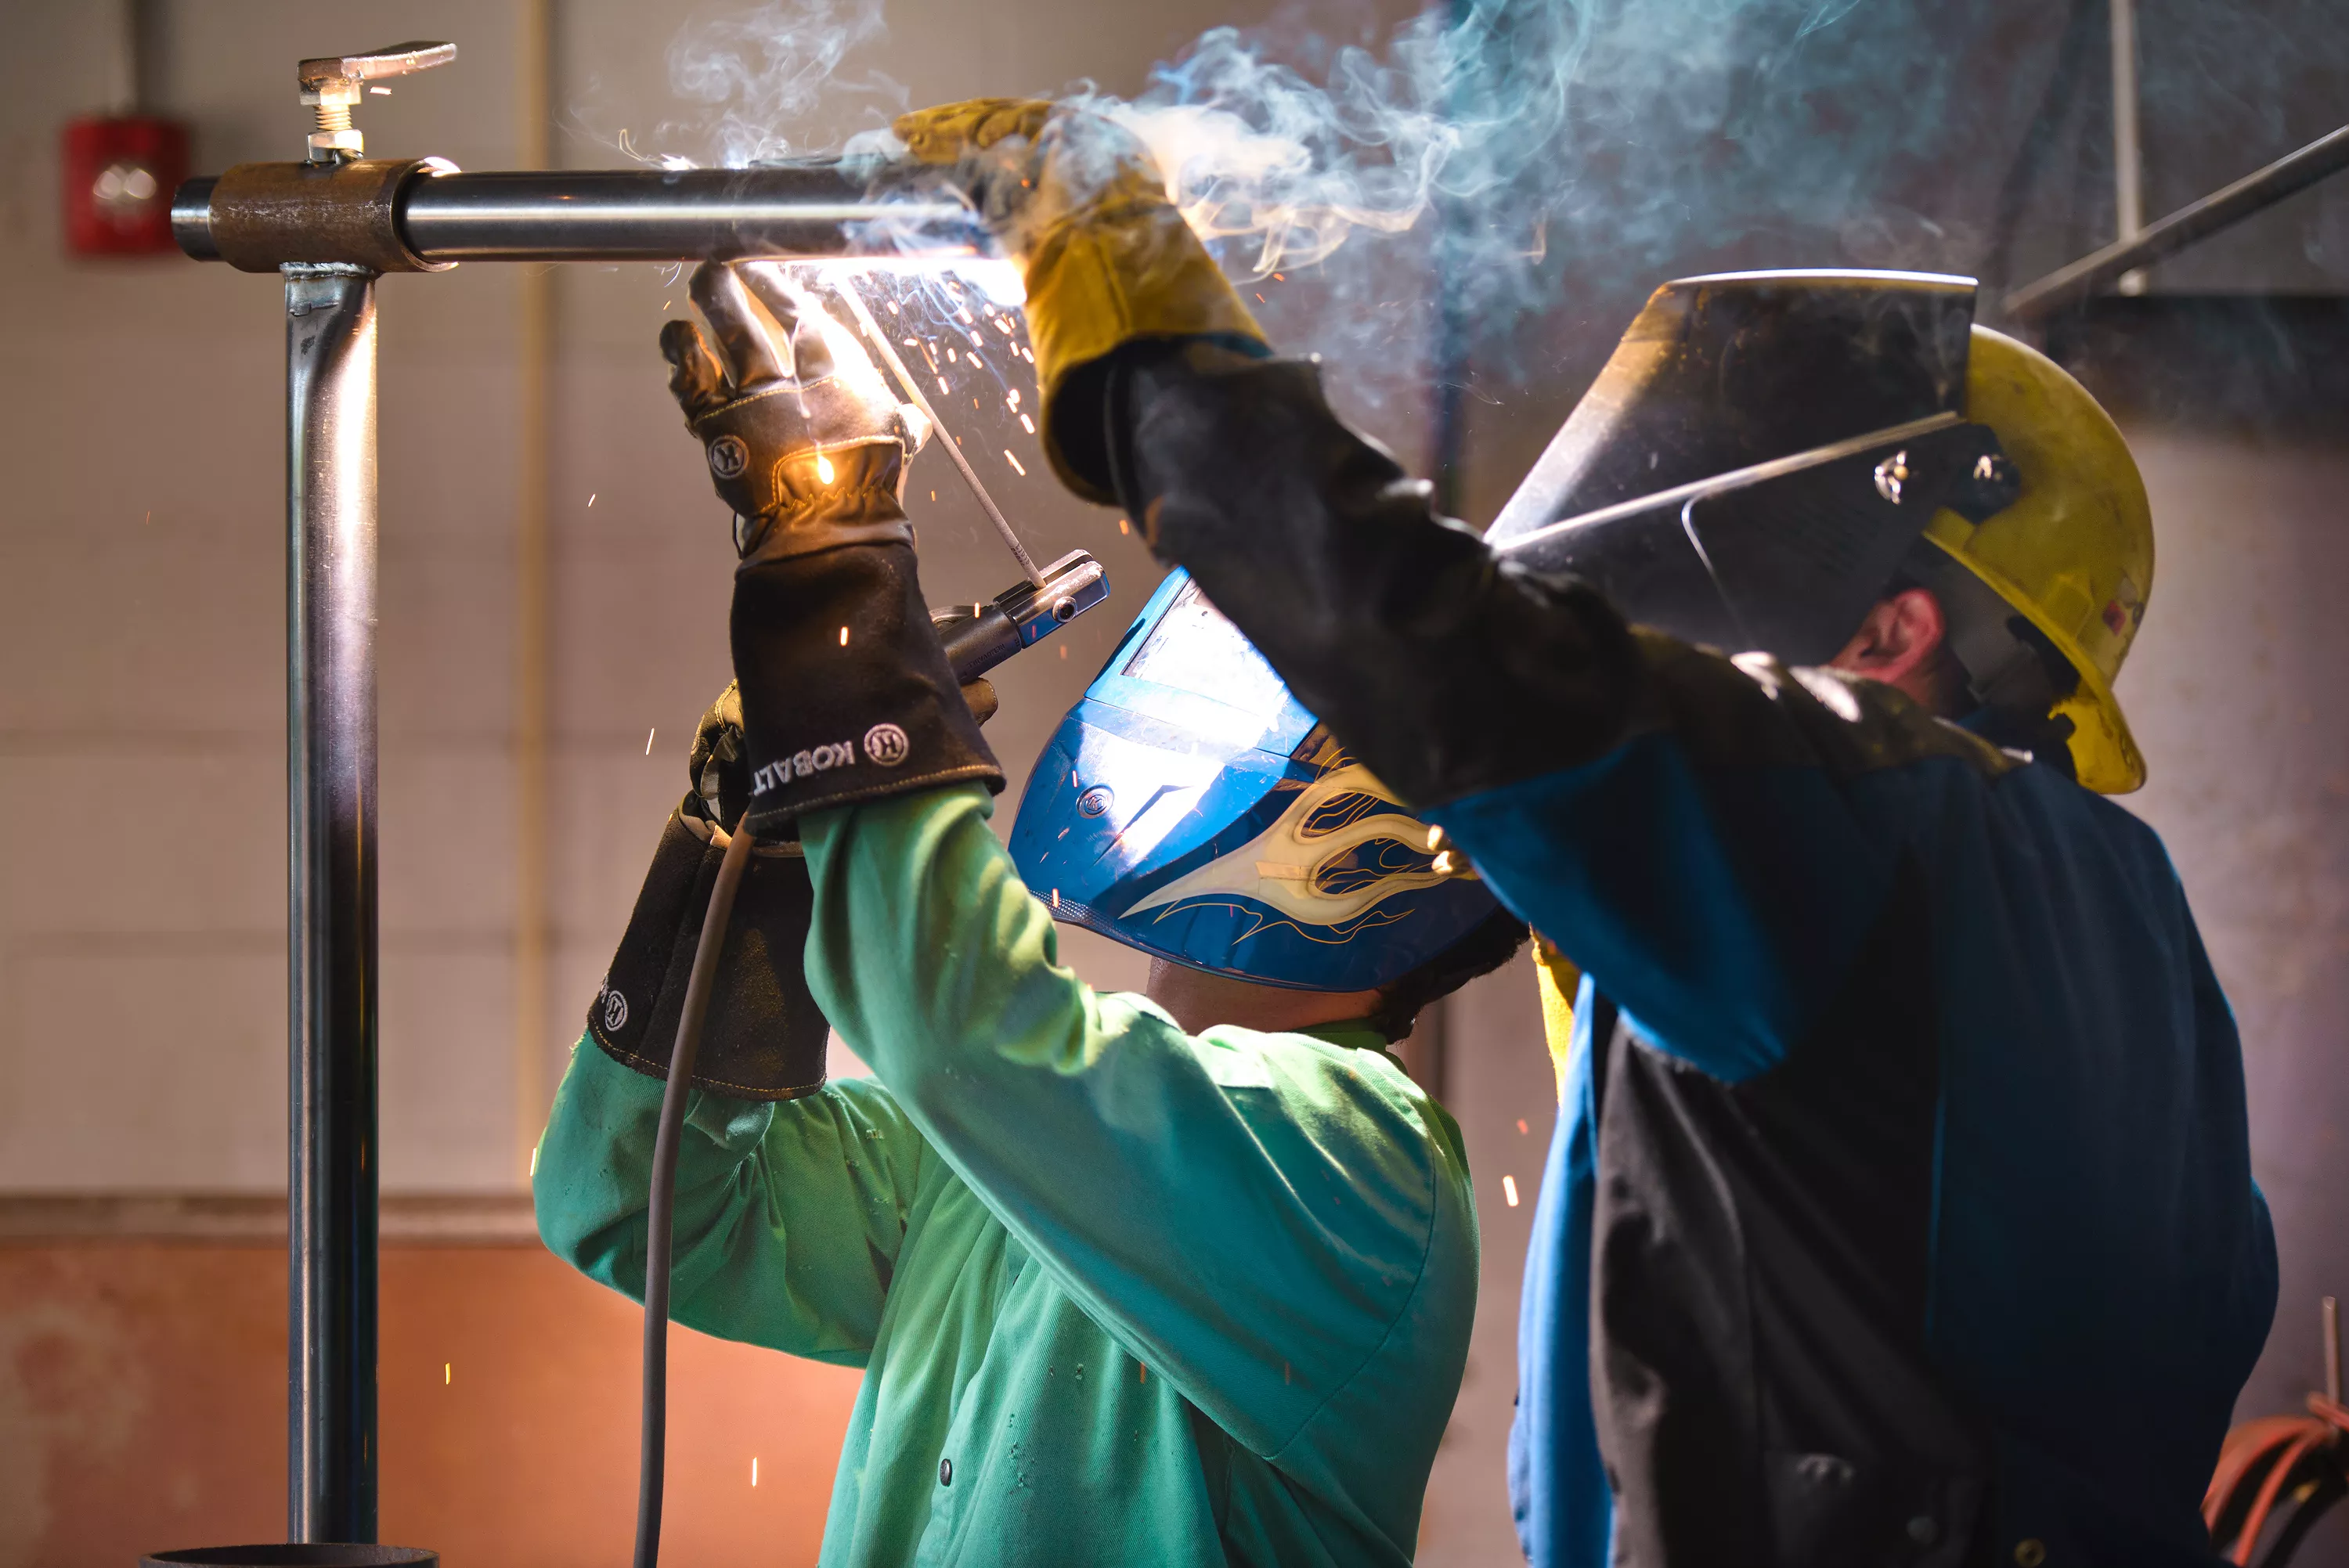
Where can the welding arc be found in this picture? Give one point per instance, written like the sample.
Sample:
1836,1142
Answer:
871,330
660,1212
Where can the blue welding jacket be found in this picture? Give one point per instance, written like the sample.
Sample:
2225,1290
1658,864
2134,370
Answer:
1191,807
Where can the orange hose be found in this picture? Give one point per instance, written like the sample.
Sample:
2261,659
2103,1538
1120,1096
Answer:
2241,1452
2270,1489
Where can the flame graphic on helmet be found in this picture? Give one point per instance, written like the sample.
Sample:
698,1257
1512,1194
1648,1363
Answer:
1308,865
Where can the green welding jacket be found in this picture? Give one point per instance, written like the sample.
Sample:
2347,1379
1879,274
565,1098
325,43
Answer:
1121,1293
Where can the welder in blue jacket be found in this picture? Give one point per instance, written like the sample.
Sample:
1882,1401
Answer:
1901,1211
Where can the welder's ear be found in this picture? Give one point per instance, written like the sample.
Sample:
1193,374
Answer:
756,355
696,379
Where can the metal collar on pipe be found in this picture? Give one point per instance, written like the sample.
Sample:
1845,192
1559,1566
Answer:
383,215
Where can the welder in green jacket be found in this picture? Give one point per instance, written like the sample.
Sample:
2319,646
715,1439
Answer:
1177,1278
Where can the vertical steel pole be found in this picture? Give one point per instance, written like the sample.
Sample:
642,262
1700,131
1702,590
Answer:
2128,153
330,762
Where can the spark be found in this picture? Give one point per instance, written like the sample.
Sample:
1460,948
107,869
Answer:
1522,1128
967,320
1014,462
943,387
933,495
893,311
648,751
380,92
1012,399
1435,837
1123,526
1279,277
1004,325
912,343
533,1159
1260,298
843,636
448,1373
1056,898
1509,1190
823,470
950,356
754,1459
1064,650
1027,424
590,498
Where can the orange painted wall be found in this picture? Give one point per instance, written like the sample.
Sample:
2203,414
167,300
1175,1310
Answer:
142,1406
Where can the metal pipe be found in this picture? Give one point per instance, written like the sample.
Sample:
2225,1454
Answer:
260,213
2128,156
2332,1315
2167,236
330,694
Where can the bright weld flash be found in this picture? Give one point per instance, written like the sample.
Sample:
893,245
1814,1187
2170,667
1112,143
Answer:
1509,1190
823,470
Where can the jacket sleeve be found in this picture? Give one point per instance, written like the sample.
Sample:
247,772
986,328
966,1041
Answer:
1248,1214
788,1215
1696,833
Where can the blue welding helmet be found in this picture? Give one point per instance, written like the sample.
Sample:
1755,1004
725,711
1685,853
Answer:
1189,807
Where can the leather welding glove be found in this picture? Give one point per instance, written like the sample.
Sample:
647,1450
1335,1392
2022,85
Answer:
845,692
765,1037
1080,204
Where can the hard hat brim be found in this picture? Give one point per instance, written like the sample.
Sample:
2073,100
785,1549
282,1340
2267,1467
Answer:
2104,755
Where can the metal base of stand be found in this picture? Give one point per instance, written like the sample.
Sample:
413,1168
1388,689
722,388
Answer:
313,1554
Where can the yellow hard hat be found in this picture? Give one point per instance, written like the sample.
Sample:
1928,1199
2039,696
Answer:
2074,553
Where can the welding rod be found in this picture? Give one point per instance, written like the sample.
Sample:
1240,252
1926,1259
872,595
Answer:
945,436
421,215
2196,220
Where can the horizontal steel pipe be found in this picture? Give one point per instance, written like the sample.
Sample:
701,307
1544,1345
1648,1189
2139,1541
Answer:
2223,208
259,217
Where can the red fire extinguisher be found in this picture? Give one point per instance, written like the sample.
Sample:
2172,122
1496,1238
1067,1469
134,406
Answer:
119,173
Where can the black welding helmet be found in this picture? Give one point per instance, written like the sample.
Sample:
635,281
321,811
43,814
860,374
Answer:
1761,453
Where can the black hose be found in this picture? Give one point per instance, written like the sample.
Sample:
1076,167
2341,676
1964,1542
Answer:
660,1215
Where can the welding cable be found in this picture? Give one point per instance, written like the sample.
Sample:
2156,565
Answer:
2267,1461
660,1215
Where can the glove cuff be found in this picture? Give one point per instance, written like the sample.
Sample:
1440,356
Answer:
847,694
765,1037
1104,278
